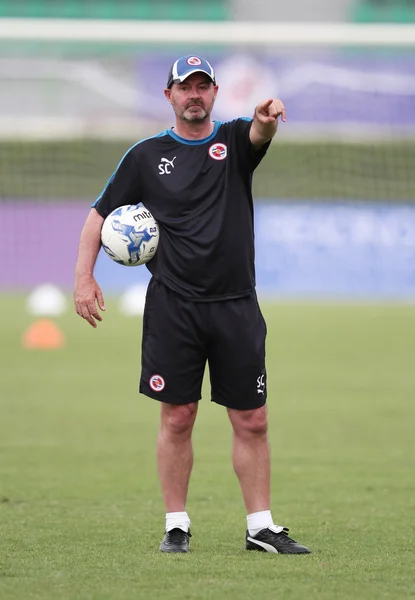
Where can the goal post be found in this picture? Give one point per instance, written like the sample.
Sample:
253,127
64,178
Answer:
349,91
234,33
77,94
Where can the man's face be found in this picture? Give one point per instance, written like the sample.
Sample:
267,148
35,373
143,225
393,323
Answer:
193,99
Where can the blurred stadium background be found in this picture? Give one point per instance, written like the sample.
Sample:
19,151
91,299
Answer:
80,508
335,212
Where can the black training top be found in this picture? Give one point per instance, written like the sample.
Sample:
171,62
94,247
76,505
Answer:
200,194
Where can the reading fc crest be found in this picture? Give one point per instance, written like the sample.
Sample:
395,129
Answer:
157,383
218,151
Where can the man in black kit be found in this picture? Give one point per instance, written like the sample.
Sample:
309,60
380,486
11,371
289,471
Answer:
201,304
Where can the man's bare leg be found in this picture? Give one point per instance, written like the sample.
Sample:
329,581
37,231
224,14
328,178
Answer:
251,457
175,461
251,461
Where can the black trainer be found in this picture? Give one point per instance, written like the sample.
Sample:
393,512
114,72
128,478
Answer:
274,540
176,540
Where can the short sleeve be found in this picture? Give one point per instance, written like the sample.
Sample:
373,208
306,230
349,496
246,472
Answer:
122,188
252,156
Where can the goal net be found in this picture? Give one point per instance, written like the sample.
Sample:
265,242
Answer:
77,94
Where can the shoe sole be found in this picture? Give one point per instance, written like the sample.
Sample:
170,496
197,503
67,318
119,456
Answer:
171,551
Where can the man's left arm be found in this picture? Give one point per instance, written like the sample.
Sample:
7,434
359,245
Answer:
265,122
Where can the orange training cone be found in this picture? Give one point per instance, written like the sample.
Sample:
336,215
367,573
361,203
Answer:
44,334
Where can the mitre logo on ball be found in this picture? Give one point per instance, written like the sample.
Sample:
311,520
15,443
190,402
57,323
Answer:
130,235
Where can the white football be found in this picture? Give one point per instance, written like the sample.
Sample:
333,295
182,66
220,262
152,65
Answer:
130,235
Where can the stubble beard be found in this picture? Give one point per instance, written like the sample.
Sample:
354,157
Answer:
194,116
198,116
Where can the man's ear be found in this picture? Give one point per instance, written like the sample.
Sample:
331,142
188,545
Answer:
167,93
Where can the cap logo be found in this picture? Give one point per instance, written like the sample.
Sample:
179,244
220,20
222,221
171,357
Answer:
218,151
194,61
157,383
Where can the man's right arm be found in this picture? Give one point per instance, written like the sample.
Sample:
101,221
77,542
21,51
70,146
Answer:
87,293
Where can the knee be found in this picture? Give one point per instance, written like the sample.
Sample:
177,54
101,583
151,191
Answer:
250,422
178,420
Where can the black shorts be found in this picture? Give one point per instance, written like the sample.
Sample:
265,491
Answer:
180,336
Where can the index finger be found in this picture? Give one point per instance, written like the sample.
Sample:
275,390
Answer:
263,106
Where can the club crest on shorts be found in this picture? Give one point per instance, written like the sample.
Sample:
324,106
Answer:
194,61
218,151
157,383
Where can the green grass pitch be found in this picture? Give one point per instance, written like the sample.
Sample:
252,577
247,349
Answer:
81,515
